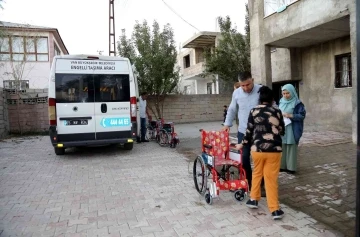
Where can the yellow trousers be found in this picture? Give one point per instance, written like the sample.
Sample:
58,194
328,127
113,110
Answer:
267,165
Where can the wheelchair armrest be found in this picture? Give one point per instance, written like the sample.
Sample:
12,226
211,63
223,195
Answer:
208,146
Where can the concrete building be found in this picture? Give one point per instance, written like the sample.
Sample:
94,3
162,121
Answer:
191,63
311,44
26,54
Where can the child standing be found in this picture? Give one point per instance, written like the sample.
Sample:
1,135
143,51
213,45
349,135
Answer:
225,113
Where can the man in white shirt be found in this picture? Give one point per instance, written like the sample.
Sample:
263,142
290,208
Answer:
245,97
143,113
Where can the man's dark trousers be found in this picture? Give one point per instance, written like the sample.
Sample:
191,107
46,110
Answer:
246,159
143,128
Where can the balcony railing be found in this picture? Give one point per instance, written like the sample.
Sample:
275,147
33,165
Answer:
193,70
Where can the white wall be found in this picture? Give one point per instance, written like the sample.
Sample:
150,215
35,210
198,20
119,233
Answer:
202,85
36,72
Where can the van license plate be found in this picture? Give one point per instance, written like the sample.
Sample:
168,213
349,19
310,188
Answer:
76,122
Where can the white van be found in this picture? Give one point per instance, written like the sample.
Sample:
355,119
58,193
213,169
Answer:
92,101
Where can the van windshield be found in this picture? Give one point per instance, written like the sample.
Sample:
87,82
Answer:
86,88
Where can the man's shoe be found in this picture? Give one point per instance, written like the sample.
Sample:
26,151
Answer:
252,204
283,170
278,214
144,140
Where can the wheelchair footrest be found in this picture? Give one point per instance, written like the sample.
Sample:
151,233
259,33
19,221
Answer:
233,184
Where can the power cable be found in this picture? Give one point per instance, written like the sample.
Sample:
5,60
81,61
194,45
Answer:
179,15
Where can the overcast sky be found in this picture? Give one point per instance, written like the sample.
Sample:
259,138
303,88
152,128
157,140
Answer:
84,24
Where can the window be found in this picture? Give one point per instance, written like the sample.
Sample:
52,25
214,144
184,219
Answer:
42,49
57,50
271,6
112,88
187,90
343,77
30,49
12,84
187,61
4,49
82,88
74,88
19,48
209,88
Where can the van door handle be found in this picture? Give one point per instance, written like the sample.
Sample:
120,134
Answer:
103,108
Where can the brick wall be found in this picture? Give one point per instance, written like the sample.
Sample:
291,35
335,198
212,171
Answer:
28,111
31,114
28,118
194,108
4,122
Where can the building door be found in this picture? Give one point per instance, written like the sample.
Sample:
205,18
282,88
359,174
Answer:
209,88
276,86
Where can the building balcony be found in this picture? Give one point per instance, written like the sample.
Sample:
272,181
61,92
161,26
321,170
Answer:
193,71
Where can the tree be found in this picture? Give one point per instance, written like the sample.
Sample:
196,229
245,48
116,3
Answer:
232,54
154,55
126,47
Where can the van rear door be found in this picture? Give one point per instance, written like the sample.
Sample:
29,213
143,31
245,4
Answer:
112,106
74,106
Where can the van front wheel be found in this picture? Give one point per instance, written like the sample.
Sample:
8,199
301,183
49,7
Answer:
128,146
59,151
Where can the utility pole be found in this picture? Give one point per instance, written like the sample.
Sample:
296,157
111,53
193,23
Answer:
112,44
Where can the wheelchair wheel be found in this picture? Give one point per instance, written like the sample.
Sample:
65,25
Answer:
150,134
239,195
163,138
208,198
200,175
157,137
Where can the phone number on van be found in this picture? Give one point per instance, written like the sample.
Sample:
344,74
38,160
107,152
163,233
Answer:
115,122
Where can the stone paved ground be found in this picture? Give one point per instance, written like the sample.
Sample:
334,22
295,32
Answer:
111,192
324,187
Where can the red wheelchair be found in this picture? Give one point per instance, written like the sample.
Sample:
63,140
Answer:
219,167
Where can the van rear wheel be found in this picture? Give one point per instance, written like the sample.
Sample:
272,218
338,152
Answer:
59,151
128,146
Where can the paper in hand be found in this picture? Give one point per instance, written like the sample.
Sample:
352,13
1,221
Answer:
287,121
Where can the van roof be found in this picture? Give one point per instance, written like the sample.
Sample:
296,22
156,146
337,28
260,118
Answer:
87,56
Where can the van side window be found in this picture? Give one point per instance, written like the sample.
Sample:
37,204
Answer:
74,88
112,88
